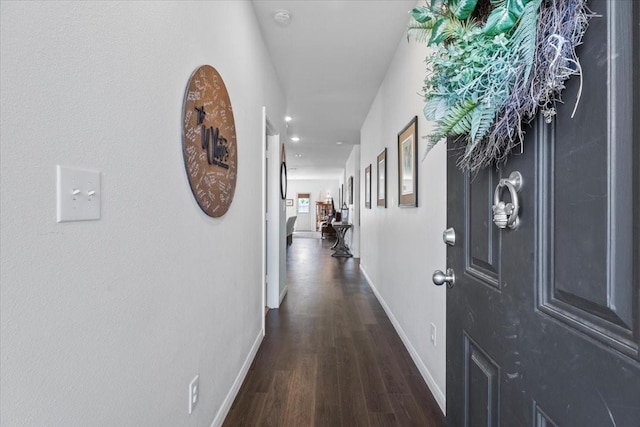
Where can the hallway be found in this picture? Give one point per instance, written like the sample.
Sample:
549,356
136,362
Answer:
331,356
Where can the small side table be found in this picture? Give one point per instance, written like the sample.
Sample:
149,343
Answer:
341,249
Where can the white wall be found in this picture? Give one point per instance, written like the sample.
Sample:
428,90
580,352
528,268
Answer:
401,247
104,323
318,188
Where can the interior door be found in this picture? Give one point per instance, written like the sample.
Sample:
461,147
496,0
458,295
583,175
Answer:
303,211
543,322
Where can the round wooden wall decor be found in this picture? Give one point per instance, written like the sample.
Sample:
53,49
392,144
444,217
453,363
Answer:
209,141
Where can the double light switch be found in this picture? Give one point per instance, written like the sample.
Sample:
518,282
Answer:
79,194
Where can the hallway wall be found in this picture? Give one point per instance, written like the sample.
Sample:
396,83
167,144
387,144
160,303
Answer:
105,323
401,247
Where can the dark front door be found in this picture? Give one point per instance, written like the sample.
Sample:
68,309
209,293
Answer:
543,322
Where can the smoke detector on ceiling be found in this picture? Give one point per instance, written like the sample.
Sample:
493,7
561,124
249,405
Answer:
282,17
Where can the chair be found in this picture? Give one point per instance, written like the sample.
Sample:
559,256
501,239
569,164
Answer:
326,227
290,223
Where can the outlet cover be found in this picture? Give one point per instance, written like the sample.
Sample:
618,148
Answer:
194,393
433,334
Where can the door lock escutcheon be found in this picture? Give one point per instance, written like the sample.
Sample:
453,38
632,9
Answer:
449,236
506,214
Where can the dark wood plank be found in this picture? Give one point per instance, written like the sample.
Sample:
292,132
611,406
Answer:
300,410
392,374
379,419
251,417
354,407
327,410
276,400
425,400
407,411
375,392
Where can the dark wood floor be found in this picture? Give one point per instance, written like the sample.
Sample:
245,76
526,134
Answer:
331,356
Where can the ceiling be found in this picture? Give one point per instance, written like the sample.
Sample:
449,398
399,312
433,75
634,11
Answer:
330,59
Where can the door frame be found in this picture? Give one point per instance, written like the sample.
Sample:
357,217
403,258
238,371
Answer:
273,221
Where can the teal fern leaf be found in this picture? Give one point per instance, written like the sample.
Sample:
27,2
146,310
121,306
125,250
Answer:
457,120
481,120
421,31
524,37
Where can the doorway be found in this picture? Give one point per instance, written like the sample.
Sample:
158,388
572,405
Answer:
273,218
303,211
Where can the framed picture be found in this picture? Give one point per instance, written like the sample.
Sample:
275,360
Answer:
289,202
382,178
367,187
408,164
350,190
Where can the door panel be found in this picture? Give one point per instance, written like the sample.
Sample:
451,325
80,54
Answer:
483,245
543,322
591,172
482,386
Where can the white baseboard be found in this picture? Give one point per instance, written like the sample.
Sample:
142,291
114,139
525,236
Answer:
424,371
235,388
283,293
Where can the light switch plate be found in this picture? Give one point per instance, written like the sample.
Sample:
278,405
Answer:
78,194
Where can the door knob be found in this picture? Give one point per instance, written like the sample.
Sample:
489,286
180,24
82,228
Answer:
506,214
440,278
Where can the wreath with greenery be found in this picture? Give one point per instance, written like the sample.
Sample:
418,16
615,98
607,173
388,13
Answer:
495,63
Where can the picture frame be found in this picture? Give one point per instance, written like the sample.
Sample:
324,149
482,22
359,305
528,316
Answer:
408,165
367,187
382,178
350,190
289,202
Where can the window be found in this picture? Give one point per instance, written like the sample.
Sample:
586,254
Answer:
304,200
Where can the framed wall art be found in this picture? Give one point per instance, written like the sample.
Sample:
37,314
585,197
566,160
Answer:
367,187
408,164
350,190
382,178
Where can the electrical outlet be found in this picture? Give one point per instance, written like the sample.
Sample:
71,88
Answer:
433,334
194,393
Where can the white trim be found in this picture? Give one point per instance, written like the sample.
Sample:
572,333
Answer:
263,217
235,388
424,371
283,293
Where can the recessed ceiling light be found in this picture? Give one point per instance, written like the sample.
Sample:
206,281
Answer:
282,17
298,155
295,139
287,118
339,142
